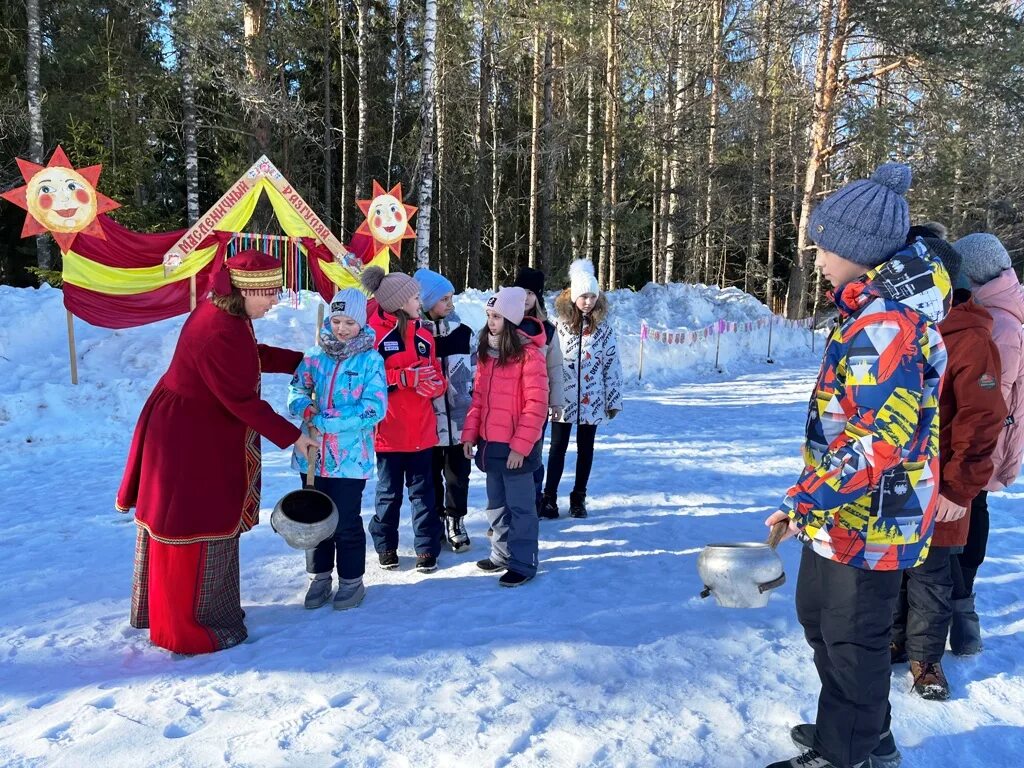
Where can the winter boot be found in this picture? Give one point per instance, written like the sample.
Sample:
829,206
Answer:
513,579
548,507
965,628
885,755
455,534
350,593
577,504
811,759
388,560
898,653
489,565
426,563
319,591
929,680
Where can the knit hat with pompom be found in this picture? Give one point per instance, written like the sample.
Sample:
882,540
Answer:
866,221
392,290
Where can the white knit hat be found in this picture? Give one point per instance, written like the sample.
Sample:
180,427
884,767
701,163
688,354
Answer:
582,279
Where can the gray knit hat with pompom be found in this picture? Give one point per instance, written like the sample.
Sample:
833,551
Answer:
392,290
866,221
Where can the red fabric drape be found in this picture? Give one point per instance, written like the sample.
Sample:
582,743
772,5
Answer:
123,247
316,253
126,249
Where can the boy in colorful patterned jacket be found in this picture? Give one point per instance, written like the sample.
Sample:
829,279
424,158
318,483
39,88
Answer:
865,503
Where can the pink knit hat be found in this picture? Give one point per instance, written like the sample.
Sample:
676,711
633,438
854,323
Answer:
510,303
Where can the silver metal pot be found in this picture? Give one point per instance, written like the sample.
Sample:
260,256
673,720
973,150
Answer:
305,517
742,575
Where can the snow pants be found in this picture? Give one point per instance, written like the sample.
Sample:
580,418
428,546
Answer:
925,607
348,545
414,469
451,480
511,507
967,562
846,614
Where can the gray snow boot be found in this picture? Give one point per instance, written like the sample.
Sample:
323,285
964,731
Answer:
885,755
965,628
319,591
350,593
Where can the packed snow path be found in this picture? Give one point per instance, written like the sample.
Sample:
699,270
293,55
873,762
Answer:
608,658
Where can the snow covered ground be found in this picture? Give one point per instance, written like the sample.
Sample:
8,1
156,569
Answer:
608,658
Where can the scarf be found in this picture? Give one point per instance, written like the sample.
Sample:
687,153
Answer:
342,350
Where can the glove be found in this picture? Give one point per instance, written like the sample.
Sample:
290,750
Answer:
430,387
411,378
310,411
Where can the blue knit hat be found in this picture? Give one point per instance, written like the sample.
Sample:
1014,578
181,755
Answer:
866,221
350,302
433,287
984,257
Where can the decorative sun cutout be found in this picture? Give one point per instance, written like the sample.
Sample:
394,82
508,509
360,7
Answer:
387,219
60,199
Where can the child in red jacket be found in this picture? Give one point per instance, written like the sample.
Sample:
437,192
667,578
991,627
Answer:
510,403
405,440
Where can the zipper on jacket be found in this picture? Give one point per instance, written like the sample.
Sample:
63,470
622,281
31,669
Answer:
579,375
444,373
323,435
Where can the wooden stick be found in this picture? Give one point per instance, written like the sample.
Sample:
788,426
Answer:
777,532
192,292
319,321
71,347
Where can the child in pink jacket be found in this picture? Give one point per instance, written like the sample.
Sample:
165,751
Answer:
505,419
994,284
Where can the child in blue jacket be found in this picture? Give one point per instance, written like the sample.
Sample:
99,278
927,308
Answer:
346,375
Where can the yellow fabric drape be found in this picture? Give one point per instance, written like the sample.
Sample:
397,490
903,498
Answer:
94,276
123,281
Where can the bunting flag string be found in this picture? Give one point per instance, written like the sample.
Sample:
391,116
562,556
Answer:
668,336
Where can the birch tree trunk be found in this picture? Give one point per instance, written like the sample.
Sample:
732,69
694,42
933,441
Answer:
611,278
549,156
328,125
754,239
345,202
717,11
535,108
426,196
495,167
480,148
591,162
33,54
362,87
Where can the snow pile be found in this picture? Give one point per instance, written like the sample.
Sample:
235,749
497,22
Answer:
118,368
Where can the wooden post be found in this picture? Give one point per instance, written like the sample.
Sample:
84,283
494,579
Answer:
71,347
319,320
771,325
643,337
192,292
718,345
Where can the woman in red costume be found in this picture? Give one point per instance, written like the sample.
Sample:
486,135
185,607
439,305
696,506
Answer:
193,472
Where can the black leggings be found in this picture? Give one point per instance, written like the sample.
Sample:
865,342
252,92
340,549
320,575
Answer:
965,565
585,434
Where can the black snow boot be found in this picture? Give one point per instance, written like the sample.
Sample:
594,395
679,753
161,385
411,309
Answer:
577,504
965,628
548,506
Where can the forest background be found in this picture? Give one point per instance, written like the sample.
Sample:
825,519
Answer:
669,140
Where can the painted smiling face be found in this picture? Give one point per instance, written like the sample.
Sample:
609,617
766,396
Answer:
387,219
61,199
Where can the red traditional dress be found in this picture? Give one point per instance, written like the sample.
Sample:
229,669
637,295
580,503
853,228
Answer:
193,473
